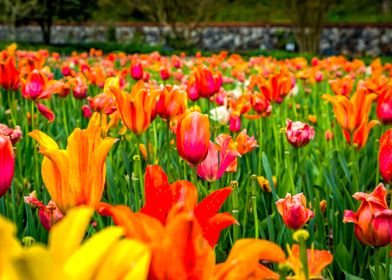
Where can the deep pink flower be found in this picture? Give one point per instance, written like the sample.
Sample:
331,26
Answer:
7,164
217,161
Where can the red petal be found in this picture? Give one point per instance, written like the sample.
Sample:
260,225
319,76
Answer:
210,205
46,112
159,198
213,227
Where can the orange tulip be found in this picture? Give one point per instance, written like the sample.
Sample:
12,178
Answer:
171,102
193,137
76,175
136,108
352,115
277,86
9,76
244,261
342,86
317,261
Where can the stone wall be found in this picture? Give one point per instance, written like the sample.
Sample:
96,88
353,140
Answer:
365,40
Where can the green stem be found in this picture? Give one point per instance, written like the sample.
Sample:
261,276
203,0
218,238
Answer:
388,263
254,204
304,257
37,183
377,253
235,210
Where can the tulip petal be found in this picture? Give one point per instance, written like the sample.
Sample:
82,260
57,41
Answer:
210,205
45,141
66,237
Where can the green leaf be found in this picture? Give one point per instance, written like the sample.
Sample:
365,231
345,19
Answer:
351,277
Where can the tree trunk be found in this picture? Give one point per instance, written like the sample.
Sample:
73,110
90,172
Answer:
46,27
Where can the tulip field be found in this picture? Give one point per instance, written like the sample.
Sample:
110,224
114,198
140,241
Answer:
144,166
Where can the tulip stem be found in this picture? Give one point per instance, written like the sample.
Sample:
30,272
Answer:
11,106
377,263
304,257
13,198
388,262
65,117
235,210
35,152
254,204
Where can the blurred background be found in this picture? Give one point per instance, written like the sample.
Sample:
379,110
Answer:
328,27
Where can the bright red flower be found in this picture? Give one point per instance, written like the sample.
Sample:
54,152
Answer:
384,106
373,219
161,197
9,76
385,156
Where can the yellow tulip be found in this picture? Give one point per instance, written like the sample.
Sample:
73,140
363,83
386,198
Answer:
103,256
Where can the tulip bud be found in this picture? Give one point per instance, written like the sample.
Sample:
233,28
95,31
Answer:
235,123
136,71
328,135
164,73
193,137
298,133
7,163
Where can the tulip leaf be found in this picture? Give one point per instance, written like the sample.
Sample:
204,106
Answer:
349,276
268,172
343,257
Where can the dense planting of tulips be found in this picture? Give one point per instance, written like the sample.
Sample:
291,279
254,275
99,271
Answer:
130,166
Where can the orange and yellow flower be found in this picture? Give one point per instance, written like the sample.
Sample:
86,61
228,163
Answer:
76,175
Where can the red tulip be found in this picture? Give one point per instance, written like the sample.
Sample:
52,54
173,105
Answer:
193,136
373,219
298,133
235,123
7,164
48,215
384,106
385,156
9,76
293,210
164,73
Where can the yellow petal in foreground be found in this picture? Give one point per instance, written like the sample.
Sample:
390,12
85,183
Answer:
84,263
37,263
66,236
128,259
9,249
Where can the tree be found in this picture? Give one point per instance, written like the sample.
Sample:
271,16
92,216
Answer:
46,11
180,17
307,17
14,9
